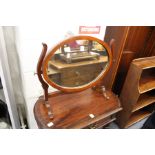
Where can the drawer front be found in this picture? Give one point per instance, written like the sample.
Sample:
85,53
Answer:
99,124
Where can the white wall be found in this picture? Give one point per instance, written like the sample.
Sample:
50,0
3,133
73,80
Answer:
29,39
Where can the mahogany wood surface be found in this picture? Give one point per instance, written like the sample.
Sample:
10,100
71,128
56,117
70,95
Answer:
140,41
149,45
126,59
137,39
40,71
72,110
119,34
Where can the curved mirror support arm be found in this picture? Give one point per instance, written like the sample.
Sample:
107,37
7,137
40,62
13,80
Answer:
43,83
39,71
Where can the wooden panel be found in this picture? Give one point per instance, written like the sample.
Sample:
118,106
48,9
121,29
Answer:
147,84
124,65
119,33
145,63
144,100
149,49
137,39
147,79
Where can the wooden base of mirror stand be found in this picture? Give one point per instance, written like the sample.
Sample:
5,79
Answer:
86,109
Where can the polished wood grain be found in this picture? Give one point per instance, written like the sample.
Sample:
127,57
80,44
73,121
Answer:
149,46
72,110
42,81
40,71
126,59
137,39
116,36
131,42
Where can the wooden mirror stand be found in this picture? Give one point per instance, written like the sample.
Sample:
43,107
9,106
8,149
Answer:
94,107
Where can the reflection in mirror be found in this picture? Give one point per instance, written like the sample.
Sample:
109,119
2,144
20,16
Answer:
77,63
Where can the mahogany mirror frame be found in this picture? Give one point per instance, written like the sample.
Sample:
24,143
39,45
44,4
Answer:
93,83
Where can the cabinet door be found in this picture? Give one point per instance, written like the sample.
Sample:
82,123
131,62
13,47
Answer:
149,49
119,33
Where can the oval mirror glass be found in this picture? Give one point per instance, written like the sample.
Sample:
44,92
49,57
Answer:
76,62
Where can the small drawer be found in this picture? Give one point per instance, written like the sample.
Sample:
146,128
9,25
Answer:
100,123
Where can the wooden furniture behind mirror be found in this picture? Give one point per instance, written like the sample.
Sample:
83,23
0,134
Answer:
76,67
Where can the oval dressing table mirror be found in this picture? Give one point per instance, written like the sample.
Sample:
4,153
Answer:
75,67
